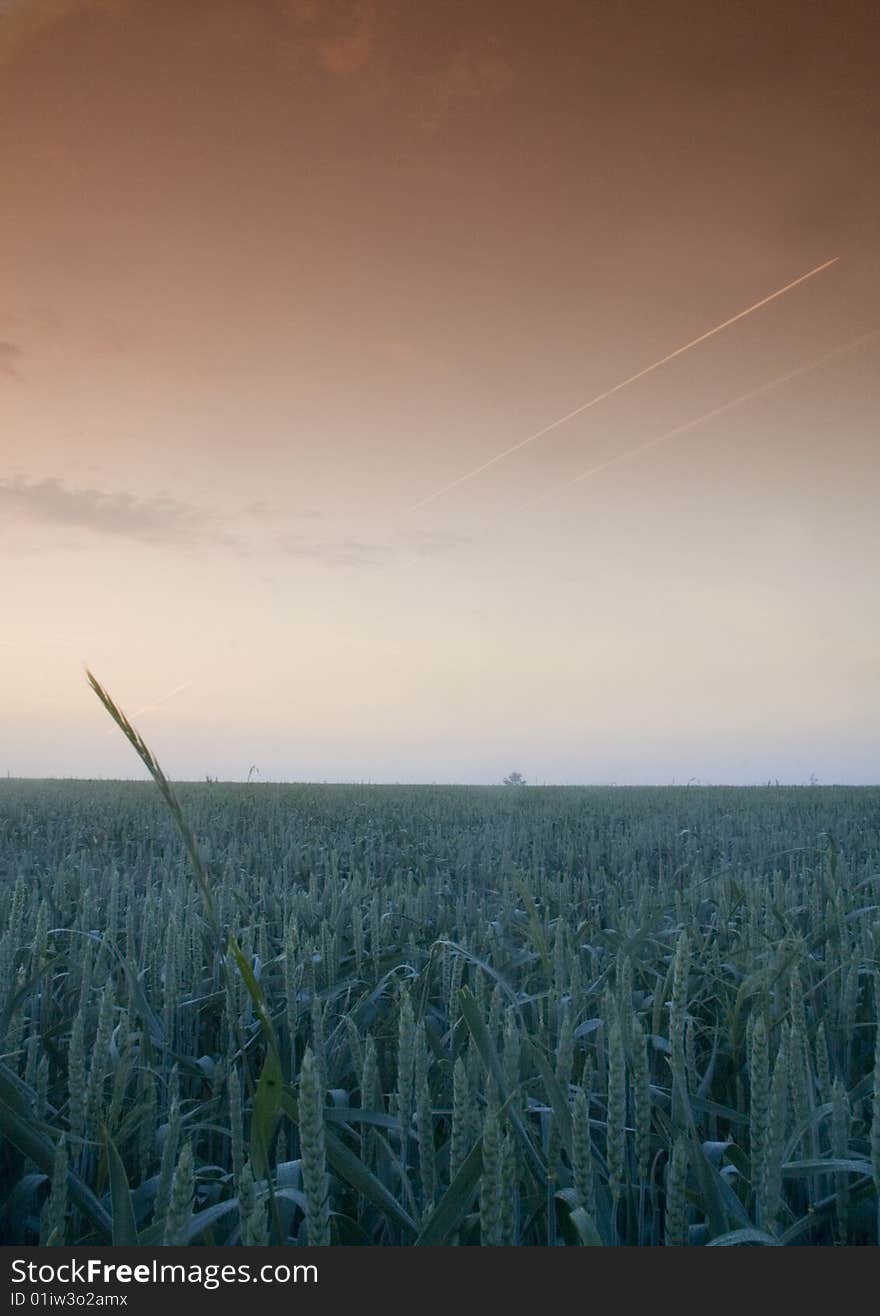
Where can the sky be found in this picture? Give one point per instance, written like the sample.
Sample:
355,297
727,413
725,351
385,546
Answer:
279,281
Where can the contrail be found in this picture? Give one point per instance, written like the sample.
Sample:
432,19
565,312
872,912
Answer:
148,708
624,383
707,416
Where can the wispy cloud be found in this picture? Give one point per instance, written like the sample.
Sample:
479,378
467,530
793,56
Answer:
472,77
349,50
147,520
345,551
432,543
10,353
272,513
22,20
341,37
254,532
335,552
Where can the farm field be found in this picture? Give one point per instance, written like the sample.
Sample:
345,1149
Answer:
439,1015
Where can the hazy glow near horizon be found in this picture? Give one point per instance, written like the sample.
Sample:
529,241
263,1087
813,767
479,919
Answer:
274,274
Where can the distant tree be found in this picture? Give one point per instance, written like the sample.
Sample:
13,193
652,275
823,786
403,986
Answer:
514,779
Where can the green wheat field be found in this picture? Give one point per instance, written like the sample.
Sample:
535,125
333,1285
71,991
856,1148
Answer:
438,1015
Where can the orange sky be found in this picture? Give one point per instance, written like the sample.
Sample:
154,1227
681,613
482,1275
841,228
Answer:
272,274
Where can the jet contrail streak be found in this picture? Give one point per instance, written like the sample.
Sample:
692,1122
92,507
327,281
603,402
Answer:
705,418
624,383
148,708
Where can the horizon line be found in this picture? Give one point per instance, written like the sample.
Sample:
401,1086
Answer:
692,783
